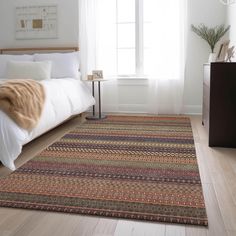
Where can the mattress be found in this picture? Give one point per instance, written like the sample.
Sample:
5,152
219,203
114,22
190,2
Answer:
64,98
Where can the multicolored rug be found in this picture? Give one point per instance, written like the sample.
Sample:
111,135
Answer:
132,167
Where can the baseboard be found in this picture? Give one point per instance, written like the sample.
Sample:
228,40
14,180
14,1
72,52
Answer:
142,108
126,108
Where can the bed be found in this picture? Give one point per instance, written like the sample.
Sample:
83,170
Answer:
66,96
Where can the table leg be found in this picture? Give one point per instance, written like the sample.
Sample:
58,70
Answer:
99,115
99,100
93,96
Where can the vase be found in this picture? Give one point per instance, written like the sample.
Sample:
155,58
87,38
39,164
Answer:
212,57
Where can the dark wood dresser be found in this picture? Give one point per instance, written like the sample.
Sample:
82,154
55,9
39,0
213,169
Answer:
219,103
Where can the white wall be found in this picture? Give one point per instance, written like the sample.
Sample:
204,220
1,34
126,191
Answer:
132,96
211,13
231,20
67,24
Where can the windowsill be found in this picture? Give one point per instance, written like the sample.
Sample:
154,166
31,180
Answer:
129,78
141,78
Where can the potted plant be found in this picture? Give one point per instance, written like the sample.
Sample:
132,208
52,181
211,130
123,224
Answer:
211,36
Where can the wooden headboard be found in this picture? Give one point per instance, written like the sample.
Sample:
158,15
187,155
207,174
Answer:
37,50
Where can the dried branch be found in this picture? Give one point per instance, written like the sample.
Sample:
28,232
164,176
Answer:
210,35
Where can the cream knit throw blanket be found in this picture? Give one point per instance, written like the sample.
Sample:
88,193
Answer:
23,101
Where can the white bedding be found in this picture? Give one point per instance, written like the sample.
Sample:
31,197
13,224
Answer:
64,98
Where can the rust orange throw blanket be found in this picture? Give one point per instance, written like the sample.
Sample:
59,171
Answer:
22,100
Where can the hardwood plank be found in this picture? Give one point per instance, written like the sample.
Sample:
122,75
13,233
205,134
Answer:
233,161
216,225
86,226
5,233
204,173
5,213
11,222
133,228
49,225
227,160
225,201
175,230
199,130
64,224
231,233
194,123
105,227
77,225
26,229
224,197
196,231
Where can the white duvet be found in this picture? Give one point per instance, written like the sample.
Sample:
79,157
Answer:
64,98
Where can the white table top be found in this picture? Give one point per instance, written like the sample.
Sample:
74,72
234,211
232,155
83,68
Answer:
94,80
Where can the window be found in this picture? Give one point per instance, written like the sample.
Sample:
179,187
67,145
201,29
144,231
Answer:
139,38
126,37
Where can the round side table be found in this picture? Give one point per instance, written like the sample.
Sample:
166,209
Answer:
95,116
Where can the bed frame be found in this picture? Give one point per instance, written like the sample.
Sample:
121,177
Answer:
15,51
37,50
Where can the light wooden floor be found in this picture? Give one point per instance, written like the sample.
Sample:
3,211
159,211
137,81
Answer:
218,174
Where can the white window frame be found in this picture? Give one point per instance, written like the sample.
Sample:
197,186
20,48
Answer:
139,46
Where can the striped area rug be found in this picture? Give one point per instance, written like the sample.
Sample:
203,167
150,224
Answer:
133,167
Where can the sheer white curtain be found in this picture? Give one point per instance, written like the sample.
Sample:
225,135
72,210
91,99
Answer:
96,42
167,68
87,36
103,29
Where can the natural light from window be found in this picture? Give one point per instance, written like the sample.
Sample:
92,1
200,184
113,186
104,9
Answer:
139,38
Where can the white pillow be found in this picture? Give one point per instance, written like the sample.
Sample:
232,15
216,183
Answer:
29,70
63,64
5,58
